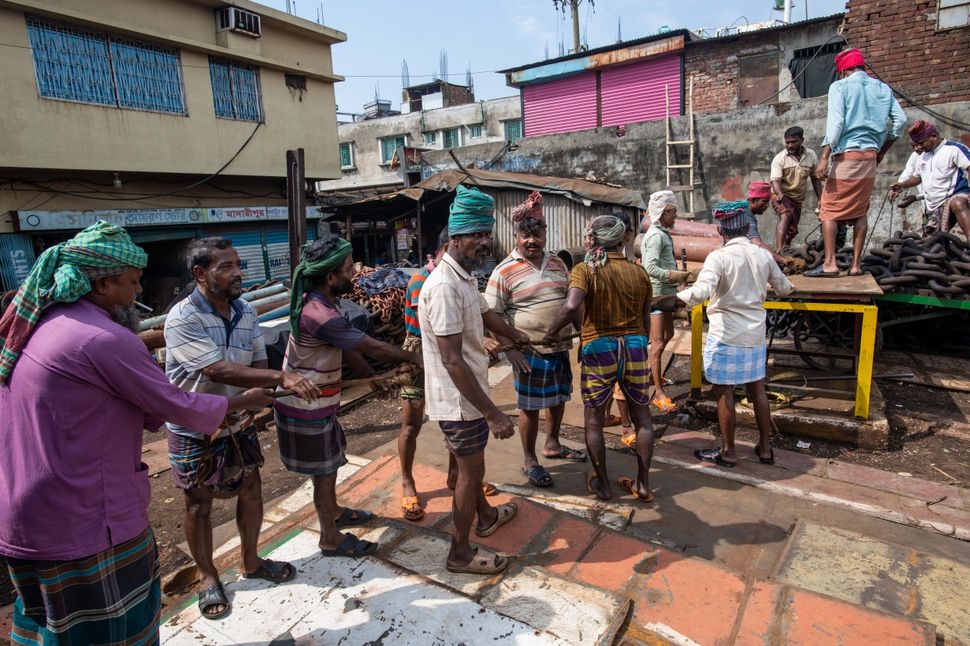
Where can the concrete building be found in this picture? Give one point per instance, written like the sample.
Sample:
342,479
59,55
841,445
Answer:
171,118
367,146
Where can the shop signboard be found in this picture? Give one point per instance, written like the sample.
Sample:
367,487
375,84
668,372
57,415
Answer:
73,220
16,259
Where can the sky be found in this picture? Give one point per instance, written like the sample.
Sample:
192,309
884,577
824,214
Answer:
498,34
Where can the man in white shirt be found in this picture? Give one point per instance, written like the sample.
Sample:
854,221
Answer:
452,313
943,176
912,169
735,279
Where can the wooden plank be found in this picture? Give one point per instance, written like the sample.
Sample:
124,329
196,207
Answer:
864,285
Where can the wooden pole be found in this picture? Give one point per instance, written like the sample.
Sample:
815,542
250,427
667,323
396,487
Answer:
296,204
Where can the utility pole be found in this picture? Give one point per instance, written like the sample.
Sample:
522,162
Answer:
296,204
574,7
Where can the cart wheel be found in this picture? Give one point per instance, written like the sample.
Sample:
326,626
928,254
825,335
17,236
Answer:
821,332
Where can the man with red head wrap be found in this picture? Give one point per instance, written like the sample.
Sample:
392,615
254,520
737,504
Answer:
856,139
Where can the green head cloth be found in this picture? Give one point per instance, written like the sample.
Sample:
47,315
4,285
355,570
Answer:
308,273
63,274
602,232
471,212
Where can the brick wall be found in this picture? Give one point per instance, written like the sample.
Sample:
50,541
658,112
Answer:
458,95
714,68
901,43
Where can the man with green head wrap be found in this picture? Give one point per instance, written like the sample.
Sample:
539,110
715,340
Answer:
77,390
453,315
311,439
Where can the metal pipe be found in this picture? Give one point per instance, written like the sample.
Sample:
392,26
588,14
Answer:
257,294
148,324
275,314
275,298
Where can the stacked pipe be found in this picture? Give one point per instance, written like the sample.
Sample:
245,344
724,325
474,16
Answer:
263,299
939,262
386,308
695,240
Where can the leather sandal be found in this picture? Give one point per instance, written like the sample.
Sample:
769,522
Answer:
630,486
484,562
506,513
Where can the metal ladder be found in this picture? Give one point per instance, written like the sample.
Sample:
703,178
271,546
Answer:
687,188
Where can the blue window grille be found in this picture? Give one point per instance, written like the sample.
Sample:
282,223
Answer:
76,64
513,129
235,90
475,131
389,145
346,156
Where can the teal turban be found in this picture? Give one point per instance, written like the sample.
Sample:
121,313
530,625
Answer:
471,212
63,274
307,271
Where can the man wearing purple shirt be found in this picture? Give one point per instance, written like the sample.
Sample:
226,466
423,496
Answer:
76,391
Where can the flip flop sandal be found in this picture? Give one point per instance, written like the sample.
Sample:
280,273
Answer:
352,547
768,460
857,273
664,404
568,454
506,513
631,488
589,484
351,517
213,596
274,571
629,440
489,489
484,562
818,272
538,476
612,420
713,456
411,508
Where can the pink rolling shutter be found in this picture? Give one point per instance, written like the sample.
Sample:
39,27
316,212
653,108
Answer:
635,92
564,105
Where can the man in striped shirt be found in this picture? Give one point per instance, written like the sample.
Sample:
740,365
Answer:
527,289
213,345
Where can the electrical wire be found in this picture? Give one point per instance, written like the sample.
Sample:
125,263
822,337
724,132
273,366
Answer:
797,76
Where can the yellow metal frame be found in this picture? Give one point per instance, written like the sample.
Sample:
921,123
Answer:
867,343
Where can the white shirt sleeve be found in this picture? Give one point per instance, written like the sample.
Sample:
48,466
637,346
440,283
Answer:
705,285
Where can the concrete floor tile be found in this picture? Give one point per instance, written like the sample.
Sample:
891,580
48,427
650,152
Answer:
433,493
346,601
612,561
880,575
847,625
611,515
297,500
758,623
569,539
363,483
689,597
574,612
426,555
512,537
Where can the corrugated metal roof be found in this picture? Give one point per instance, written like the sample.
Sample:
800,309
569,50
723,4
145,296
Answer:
606,48
792,25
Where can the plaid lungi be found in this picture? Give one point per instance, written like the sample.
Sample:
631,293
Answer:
465,437
219,464
608,360
732,365
415,390
942,218
548,383
316,447
112,597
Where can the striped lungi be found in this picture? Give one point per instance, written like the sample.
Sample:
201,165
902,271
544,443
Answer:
548,383
220,464
733,365
316,447
609,360
851,179
415,390
113,597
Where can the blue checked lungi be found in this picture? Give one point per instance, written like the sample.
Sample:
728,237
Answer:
316,447
111,598
733,365
548,383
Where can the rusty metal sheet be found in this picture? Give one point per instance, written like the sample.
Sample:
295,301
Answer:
758,79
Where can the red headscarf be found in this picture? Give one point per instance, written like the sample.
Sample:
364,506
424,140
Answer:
847,59
921,131
759,189
532,207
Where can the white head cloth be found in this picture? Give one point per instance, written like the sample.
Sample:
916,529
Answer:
658,202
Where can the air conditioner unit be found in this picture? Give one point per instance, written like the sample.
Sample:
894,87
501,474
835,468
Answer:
238,20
